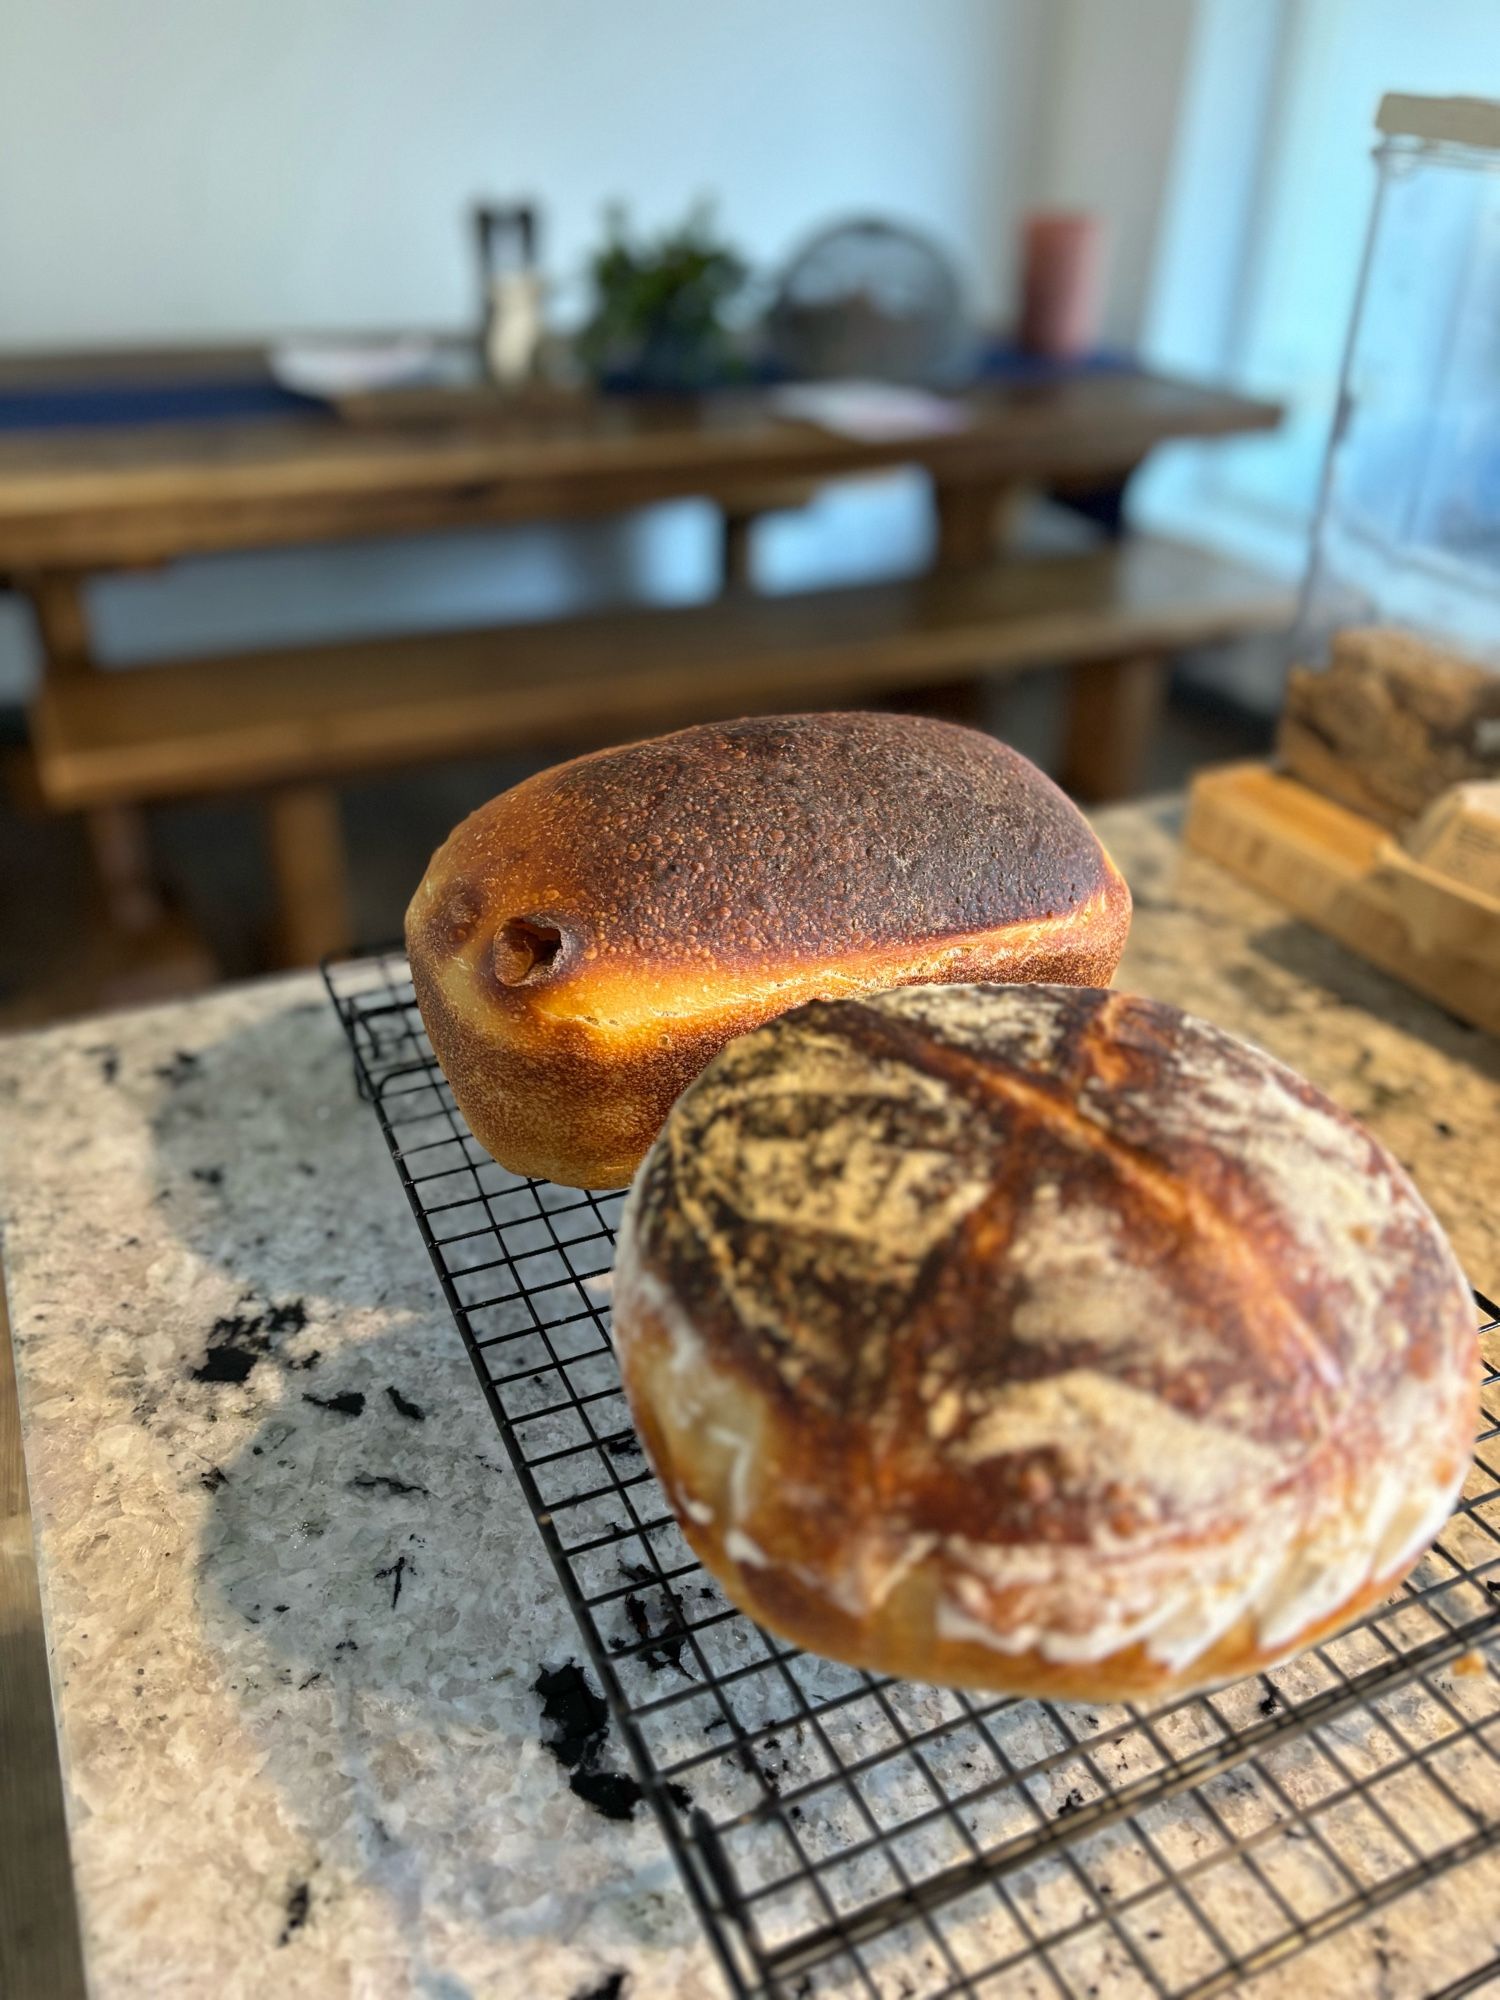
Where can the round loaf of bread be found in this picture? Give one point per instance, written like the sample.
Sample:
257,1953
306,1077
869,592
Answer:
585,943
1039,1339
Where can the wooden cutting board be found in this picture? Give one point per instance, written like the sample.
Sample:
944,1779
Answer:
1335,869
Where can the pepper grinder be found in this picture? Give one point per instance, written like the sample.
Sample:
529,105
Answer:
512,289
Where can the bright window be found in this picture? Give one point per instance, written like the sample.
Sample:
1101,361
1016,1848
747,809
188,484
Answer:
1265,224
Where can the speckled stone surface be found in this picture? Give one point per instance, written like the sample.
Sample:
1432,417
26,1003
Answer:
295,1603
1424,1082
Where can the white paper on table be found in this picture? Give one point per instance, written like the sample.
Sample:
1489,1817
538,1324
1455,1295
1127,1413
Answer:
872,412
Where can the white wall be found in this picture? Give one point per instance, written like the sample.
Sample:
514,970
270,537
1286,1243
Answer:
187,168
1114,103
173,170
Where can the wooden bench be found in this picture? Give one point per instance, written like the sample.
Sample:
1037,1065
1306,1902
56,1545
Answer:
286,723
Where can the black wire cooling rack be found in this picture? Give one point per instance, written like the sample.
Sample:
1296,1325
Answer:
843,1834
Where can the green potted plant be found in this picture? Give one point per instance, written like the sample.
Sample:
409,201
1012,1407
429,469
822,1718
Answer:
658,318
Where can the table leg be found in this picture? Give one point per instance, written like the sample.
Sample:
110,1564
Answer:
62,620
965,525
972,519
306,842
1112,713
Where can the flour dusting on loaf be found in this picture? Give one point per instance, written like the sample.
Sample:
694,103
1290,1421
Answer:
1049,1332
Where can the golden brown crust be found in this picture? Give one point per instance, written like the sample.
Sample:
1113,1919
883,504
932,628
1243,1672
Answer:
585,943
1039,1338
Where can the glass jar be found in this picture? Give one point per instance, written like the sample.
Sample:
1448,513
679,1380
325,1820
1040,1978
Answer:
1407,532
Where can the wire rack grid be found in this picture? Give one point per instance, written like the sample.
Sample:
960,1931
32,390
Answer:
844,1834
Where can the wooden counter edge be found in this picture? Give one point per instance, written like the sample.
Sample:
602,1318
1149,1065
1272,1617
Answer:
40,1952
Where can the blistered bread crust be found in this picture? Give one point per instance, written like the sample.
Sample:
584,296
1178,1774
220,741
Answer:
1040,1339
585,943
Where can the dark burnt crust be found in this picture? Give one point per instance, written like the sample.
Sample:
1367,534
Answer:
781,838
842,1352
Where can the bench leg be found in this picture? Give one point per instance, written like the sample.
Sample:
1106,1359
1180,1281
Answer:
306,843
1113,707
735,535
62,621
738,515
118,841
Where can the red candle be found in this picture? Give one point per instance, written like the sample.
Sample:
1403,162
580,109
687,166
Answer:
1062,267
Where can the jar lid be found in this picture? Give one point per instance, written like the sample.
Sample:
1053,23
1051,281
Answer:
1450,121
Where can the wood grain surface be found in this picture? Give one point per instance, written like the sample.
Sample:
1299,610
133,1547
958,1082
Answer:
40,1957
92,498
1327,864
303,712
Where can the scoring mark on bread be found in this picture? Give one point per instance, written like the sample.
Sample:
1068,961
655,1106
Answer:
1075,1280
841,1150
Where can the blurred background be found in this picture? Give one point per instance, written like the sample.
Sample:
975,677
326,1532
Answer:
395,399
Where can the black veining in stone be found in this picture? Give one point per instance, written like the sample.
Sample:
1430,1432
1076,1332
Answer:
236,1341
580,1720
579,1716
382,1482
610,1987
297,1904
227,1360
614,1793
404,1407
183,1067
348,1403
402,1566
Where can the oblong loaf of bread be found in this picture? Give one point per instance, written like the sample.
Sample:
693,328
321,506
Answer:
1039,1339
585,943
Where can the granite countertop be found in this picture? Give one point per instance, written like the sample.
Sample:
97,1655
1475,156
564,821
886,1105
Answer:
295,1603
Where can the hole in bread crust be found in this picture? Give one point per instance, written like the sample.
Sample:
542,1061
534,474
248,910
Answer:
525,948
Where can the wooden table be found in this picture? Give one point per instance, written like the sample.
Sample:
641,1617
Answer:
77,502
72,502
